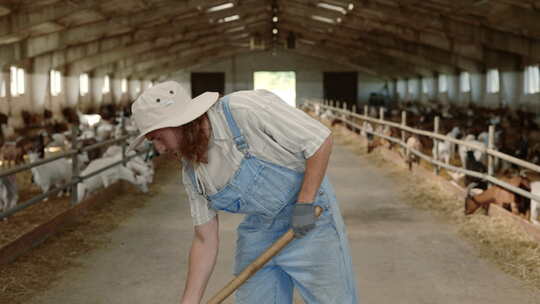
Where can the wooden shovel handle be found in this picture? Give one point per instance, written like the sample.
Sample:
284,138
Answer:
252,268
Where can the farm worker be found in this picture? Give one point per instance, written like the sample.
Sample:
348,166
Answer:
251,153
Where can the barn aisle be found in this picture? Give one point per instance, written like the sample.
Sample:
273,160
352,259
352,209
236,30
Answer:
401,254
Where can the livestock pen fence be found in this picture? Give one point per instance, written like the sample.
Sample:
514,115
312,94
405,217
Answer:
341,112
73,153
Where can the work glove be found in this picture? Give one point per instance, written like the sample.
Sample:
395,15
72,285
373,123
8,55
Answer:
303,219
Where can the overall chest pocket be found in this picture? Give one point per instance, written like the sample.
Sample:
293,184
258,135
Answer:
273,188
259,188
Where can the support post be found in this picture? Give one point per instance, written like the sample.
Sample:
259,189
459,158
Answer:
74,163
123,132
436,144
491,144
403,123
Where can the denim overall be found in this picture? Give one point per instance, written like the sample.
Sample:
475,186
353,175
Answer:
319,264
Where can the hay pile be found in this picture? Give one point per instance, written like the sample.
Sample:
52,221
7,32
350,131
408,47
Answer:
27,219
499,239
42,266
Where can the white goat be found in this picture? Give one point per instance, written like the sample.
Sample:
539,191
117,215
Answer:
413,142
8,193
137,164
104,130
108,177
446,149
59,140
326,115
366,126
55,173
478,155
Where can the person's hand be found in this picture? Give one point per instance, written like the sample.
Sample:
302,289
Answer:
303,219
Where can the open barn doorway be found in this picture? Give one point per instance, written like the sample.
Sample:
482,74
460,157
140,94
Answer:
283,84
341,86
207,82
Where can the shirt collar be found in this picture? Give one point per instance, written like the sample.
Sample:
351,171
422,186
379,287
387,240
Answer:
216,121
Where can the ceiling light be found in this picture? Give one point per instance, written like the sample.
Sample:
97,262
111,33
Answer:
220,7
275,31
235,29
323,19
275,19
229,19
351,6
332,7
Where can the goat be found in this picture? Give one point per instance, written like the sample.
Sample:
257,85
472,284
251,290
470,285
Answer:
55,173
478,155
8,193
472,164
108,177
502,197
413,142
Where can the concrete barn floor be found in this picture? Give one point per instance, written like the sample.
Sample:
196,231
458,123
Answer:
401,255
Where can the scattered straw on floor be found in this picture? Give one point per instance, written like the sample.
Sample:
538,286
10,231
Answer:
39,269
499,239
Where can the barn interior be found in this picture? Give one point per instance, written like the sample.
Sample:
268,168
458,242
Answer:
408,84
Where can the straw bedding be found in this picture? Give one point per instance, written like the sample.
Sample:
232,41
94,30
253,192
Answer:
43,265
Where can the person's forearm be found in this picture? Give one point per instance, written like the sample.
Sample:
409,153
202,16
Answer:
202,259
315,170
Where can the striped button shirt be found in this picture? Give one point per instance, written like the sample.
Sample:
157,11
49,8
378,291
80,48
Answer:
274,131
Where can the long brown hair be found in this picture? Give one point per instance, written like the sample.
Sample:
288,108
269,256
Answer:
194,140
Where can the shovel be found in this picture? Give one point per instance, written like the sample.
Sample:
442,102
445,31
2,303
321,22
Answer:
252,268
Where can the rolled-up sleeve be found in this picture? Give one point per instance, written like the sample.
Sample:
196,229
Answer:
200,213
290,127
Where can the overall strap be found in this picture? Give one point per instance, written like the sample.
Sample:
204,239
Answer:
239,139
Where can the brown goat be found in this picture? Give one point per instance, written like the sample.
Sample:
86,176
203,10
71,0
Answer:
506,199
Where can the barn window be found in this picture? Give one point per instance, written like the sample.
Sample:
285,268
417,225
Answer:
124,85
443,84
493,81
83,84
532,79
410,84
17,81
3,88
106,85
55,82
465,82
425,86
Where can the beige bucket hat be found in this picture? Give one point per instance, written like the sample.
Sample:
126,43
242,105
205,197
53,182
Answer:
165,105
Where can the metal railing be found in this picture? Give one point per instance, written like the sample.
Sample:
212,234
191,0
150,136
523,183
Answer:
75,178
489,150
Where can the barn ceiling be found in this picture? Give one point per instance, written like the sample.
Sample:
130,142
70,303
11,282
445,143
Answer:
388,38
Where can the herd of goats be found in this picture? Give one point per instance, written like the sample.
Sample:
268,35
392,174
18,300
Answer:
41,139
517,133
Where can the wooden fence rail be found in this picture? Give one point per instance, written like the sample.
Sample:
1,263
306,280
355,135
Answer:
343,114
